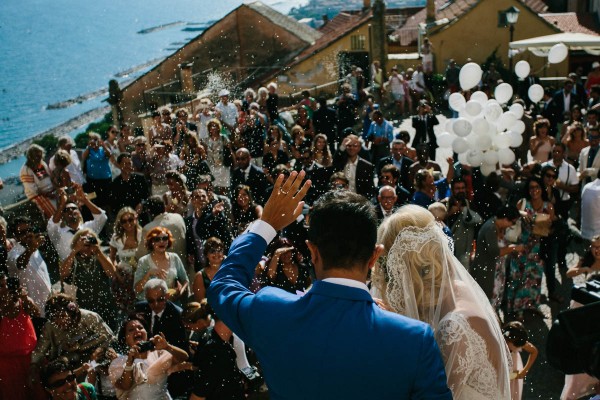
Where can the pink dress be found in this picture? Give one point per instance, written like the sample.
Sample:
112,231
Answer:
18,341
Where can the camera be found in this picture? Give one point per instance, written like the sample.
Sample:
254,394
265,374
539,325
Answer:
91,240
70,190
145,346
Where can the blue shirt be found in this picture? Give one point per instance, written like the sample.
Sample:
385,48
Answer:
385,130
97,164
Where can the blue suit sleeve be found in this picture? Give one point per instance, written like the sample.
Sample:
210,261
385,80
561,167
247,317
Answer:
228,293
430,381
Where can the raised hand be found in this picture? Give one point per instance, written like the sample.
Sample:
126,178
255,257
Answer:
285,203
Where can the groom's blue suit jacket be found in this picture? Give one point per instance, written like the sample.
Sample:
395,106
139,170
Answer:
332,343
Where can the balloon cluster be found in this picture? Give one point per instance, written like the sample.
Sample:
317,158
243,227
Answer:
483,134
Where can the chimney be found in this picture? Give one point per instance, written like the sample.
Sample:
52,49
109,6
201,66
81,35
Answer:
325,19
366,5
185,77
430,11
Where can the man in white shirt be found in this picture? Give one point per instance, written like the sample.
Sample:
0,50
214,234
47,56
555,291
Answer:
590,209
386,202
226,111
567,181
359,171
26,263
67,220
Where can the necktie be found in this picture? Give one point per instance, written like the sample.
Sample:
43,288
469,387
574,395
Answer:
156,326
73,231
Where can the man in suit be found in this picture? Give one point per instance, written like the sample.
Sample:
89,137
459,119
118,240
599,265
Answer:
390,175
589,158
400,161
318,175
248,173
565,98
336,327
423,124
164,317
523,88
386,203
358,170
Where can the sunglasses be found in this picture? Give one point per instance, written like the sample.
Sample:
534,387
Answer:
550,176
161,299
61,382
160,239
215,251
72,208
127,220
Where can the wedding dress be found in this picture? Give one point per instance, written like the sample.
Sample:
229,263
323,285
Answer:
420,278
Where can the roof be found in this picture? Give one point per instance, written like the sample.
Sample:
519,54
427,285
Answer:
302,31
338,27
452,10
573,22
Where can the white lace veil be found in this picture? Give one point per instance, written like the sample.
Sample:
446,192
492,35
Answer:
420,278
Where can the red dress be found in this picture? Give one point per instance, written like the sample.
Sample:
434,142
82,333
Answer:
18,341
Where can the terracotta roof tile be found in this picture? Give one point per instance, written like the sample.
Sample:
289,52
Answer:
572,22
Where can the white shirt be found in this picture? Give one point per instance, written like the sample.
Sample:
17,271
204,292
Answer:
228,112
159,315
34,277
567,175
61,236
74,169
590,210
567,101
350,172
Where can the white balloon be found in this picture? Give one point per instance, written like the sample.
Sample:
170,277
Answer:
493,129
470,75
479,97
535,92
490,157
506,120
480,125
517,109
445,140
506,156
460,145
461,127
516,139
518,127
522,69
462,158
491,101
501,140
474,157
487,169
456,101
473,108
448,125
483,142
492,112
558,53
503,93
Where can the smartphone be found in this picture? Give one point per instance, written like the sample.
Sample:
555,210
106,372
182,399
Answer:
145,346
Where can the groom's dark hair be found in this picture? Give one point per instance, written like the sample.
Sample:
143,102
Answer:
343,225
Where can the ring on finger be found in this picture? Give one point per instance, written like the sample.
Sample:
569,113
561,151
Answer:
283,192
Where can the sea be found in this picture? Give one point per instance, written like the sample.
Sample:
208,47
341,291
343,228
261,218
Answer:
60,50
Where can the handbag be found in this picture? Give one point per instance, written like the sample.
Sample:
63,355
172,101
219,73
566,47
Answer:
542,225
513,233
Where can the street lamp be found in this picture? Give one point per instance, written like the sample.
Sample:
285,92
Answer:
512,15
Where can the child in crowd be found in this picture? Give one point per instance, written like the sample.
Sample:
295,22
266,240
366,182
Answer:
516,337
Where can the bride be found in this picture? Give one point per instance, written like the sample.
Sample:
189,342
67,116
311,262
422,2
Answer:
420,278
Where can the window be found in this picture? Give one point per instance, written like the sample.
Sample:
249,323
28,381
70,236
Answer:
357,42
502,22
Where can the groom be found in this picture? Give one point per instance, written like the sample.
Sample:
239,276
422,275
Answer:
334,342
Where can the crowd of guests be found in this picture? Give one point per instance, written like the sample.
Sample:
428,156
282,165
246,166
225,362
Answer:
111,292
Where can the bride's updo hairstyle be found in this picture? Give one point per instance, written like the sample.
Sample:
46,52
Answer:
424,264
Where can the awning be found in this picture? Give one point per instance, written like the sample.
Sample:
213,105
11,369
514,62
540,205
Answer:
540,46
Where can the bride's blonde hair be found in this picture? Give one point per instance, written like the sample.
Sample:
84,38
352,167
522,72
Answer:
425,264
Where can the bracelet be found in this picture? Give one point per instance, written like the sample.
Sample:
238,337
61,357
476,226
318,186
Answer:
128,368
